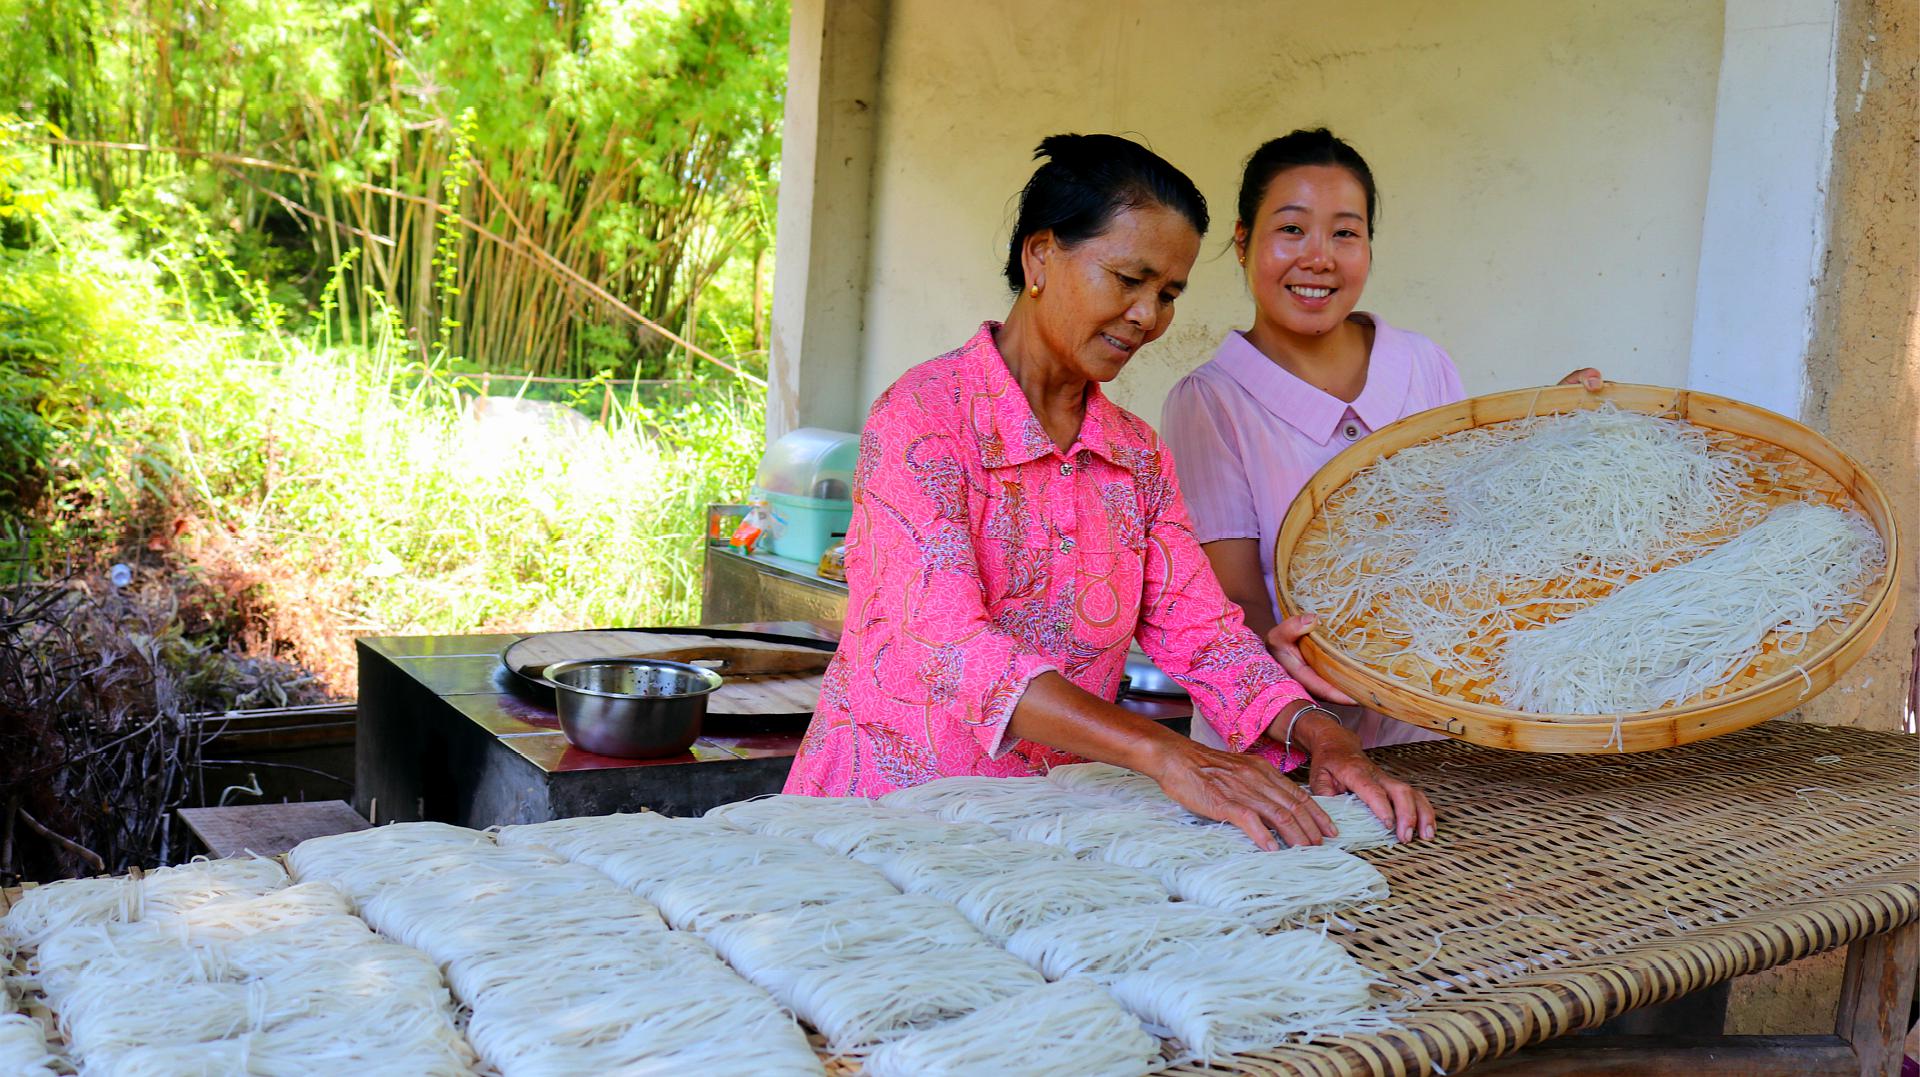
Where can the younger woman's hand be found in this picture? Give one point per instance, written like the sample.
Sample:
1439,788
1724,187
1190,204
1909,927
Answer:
1587,376
1283,643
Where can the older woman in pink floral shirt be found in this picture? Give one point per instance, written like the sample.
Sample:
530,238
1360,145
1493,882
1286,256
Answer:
1014,530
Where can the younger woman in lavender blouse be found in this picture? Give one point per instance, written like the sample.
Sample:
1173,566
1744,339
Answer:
1312,376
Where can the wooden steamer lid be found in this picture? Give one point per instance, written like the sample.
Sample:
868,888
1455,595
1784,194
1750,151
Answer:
1796,463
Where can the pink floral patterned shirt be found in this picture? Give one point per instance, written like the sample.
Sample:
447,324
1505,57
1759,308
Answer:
981,556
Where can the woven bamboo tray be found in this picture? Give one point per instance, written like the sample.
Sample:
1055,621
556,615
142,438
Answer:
1564,891
1793,463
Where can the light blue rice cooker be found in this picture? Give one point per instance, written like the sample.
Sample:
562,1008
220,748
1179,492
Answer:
806,479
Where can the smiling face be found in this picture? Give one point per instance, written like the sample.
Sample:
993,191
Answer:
1308,250
1105,297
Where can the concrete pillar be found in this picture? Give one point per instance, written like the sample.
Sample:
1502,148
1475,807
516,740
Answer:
826,171
1863,370
1764,232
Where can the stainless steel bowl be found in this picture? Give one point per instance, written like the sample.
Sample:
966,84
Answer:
633,708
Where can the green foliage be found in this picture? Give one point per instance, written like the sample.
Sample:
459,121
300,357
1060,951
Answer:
349,486
632,141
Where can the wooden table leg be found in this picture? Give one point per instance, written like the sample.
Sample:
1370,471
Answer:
1876,998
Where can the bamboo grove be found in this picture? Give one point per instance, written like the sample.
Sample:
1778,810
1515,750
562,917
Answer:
524,185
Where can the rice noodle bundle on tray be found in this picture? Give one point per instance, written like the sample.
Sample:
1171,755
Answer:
23,1043
1228,996
859,1003
45,910
566,971
785,815
1675,633
1106,944
227,961
1276,888
1427,541
23,1047
1062,1028
879,840
775,948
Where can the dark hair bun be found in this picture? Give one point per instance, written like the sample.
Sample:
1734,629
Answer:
1317,146
1085,180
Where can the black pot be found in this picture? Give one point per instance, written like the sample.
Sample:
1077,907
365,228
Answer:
632,708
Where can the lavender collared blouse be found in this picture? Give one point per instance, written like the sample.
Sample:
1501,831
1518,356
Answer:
1246,436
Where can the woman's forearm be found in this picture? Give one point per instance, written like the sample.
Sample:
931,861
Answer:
1059,714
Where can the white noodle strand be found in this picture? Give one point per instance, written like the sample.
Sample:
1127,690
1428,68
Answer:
1065,1028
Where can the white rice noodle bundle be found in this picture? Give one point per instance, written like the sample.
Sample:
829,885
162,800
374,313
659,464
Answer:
786,815
1165,848
1010,812
997,802
288,973
139,956
234,938
648,865
857,1004
1108,943
569,837
1041,893
23,1047
1064,1028
484,950
877,841
320,1004
209,1058
1236,995
1109,780
775,948
157,895
1671,635
943,870
366,861
567,972
932,798
1084,833
1271,889
1601,494
494,970
704,900
677,1027
1359,827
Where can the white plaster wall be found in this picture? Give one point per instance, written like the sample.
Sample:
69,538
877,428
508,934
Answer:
1543,166
1766,204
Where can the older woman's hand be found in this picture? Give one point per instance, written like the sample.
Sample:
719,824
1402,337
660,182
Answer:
1339,765
1240,789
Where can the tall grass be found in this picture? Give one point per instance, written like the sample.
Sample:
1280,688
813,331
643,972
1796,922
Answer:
336,490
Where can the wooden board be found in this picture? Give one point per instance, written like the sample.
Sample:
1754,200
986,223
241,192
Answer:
1792,462
758,696
269,829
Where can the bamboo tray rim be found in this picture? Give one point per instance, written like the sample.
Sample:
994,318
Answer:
1560,399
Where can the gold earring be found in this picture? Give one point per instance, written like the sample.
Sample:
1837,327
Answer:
1034,290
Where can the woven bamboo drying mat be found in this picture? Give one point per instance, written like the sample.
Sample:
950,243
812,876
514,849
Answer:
1565,890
